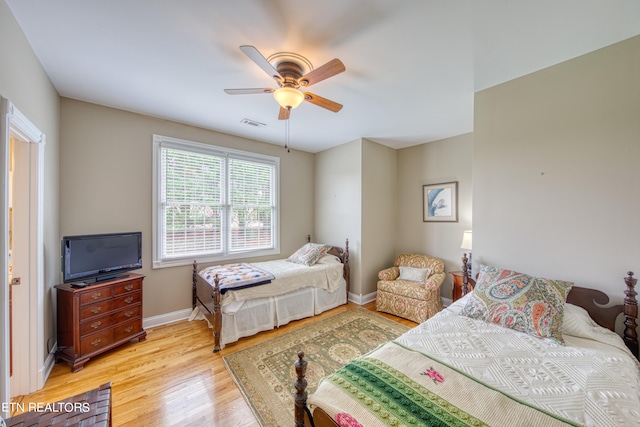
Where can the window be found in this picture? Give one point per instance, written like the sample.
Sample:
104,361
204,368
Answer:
212,203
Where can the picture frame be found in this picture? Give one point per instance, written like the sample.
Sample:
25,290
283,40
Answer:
440,202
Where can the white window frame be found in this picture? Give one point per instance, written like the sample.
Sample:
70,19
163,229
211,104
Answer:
160,142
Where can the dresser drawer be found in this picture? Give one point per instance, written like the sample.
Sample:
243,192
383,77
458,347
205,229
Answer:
97,309
96,324
97,341
96,295
127,329
127,287
127,300
127,314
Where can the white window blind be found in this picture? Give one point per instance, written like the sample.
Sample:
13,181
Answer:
212,203
252,204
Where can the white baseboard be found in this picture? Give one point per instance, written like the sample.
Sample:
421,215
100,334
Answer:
163,319
45,370
362,299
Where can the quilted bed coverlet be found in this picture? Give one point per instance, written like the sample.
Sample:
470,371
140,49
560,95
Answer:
462,371
237,276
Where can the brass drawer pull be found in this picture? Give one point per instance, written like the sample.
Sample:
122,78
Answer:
128,329
96,295
128,300
95,310
96,325
128,287
96,342
128,314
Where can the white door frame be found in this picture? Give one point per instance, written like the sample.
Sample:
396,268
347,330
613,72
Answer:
14,123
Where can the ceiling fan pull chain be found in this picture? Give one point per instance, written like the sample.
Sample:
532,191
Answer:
286,132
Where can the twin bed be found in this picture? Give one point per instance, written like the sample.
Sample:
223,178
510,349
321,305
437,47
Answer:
478,364
241,300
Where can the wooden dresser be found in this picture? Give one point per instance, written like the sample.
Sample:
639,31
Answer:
97,318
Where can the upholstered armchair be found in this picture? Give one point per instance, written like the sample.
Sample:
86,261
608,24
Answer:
411,288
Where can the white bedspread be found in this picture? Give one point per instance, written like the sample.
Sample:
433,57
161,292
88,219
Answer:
289,277
593,379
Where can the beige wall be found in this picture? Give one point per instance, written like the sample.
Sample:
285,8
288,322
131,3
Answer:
556,170
435,162
355,198
24,82
338,192
379,212
106,161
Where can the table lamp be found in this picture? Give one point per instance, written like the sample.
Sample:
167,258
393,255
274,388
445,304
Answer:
466,244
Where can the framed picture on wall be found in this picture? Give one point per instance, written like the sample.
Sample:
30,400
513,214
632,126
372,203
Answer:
440,202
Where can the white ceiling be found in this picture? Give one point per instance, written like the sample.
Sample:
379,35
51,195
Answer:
412,66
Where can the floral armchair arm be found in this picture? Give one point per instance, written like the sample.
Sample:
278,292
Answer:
435,280
391,273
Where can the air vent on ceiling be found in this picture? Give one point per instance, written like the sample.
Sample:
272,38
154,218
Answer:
252,123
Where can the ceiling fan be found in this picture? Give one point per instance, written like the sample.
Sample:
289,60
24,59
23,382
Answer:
291,72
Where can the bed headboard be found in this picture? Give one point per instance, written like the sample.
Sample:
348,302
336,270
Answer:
343,255
594,302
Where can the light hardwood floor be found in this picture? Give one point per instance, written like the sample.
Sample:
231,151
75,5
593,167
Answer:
171,379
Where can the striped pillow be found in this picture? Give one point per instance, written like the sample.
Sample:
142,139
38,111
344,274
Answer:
309,254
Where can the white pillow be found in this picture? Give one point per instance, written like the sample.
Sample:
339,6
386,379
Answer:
578,323
328,259
419,275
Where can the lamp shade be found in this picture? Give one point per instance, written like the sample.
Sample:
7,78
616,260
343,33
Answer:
466,240
288,97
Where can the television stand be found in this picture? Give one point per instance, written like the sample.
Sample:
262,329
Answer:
97,318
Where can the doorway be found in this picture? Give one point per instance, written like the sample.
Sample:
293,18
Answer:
19,281
21,254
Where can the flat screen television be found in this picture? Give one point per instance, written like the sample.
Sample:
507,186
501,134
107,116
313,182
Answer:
100,257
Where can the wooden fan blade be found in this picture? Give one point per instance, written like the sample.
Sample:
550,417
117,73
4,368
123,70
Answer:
248,91
284,114
330,69
322,102
261,61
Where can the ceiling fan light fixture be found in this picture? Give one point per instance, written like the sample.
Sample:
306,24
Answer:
288,97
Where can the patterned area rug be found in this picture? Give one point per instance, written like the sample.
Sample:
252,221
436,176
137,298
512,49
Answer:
265,373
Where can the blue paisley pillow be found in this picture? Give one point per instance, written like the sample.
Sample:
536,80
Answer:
532,305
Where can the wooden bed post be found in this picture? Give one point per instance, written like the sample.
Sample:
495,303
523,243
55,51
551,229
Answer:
631,314
465,275
194,292
217,315
300,395
217,312
347,268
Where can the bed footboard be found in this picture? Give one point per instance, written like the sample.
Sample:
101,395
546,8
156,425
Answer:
207,298
302,413
300,385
